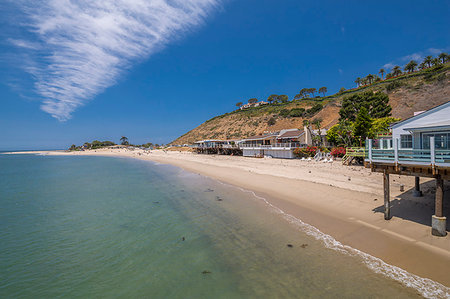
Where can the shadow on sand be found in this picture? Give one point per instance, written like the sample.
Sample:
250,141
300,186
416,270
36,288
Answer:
419,209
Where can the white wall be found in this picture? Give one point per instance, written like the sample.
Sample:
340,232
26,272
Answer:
439,115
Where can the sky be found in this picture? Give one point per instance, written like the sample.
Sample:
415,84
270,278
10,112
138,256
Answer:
77,71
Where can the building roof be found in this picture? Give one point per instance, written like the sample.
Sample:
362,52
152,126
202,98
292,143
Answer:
436,125
213,140
261,137
420,115
292,133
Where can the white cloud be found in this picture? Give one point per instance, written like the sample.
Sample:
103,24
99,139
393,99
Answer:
84,46
434,51
388,65
414,56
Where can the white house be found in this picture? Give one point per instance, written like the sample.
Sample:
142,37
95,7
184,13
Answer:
415,132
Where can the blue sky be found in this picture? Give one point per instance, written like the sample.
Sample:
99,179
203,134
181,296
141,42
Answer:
152,70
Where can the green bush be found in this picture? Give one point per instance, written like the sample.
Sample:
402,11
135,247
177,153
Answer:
297,112
314,109
394,85
271,121
284,112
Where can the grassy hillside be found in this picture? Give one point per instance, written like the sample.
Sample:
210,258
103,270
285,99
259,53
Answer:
407,93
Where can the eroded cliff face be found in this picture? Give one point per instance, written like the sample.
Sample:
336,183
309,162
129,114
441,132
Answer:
413,94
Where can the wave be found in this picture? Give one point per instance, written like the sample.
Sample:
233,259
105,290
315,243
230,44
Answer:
425,286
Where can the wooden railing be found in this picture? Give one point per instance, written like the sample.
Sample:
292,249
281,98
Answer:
289,145
396,155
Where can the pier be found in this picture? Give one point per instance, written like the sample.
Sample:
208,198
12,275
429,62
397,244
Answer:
430,163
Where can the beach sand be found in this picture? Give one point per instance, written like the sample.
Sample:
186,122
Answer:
345,202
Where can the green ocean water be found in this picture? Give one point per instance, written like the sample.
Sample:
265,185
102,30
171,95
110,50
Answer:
91,227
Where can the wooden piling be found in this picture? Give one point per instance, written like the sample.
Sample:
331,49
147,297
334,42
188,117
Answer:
439,196
387,207
417,191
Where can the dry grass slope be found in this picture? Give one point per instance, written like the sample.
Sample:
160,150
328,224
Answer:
407,94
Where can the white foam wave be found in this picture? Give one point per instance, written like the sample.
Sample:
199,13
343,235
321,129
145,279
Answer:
426,287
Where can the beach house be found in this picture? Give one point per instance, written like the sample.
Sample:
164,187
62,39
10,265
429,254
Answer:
280,144
420,147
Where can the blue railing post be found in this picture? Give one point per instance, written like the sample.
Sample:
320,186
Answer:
432,151
396,151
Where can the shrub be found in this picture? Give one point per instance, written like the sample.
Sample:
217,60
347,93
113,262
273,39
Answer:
314,109
271,121
303,152
297,112
338,152
393,86
284,112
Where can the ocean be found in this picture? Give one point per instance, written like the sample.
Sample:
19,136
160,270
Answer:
83,227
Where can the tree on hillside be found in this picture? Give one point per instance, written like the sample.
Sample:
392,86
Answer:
238,104
312,91
278,98
124,140
411,66
283,98
362,125
253,101
444,57
370,78
382,72
422,66
428,60
376,104
358,82
323,90
271,98
396,71
435,61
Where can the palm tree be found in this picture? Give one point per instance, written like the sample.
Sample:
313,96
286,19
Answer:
396,71
382,72
370,78
435,61
411,66
444,57
239,104
358,81
323,90
428,60
124,140
422,66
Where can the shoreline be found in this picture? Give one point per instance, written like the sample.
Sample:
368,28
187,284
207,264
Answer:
336,209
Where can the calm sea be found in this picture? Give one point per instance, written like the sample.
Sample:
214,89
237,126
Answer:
113,227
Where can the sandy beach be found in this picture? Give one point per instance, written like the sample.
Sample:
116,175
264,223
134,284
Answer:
344,202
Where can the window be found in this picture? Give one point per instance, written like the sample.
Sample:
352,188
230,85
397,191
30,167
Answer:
406,141
441,140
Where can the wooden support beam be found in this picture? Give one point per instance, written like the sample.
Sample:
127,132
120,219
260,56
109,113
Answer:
417,191
387,207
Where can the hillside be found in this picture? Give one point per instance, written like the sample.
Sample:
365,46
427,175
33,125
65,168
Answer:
408,93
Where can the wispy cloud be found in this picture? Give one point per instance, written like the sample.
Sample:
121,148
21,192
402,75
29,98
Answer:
82,47
414,56
417,56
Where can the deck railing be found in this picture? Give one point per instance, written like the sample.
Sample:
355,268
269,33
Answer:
290,145
399,156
